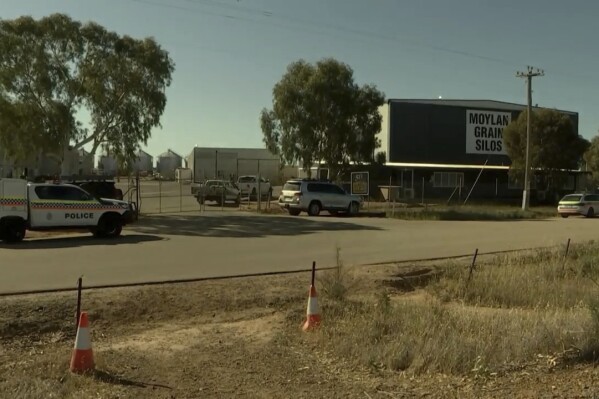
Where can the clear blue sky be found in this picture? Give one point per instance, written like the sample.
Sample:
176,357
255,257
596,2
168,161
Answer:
230,53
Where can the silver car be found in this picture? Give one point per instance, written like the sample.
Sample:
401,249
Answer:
314,196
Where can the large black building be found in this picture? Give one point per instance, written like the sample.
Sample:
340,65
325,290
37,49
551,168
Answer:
443,146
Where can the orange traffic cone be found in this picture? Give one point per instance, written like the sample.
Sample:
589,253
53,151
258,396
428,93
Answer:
313,312
83,357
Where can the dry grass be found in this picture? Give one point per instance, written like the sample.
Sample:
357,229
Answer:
536,279
337,282
534,311
516,309
471,212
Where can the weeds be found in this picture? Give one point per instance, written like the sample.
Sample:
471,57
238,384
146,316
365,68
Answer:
337,282
463,213
517,309
533,279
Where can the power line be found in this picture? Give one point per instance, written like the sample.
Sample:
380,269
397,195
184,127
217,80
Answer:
344,29
302,23
267,17
227,16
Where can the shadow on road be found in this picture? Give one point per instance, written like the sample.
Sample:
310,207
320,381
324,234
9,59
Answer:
80,241
236,226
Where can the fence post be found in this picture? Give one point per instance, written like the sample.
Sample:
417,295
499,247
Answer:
138,194
180,194
389,194
472,265
566,256
78,314
259,199
159,195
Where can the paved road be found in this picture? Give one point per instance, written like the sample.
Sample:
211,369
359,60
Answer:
185,246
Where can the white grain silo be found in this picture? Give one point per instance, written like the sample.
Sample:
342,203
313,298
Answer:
167,163
144,164
107,165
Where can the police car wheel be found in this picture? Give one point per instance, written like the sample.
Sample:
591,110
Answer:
13,231
116,231
109,226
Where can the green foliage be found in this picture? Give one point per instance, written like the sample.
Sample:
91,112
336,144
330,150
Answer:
591,157
554,144
320,113
53,68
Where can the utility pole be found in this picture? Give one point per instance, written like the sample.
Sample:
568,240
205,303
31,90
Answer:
529,74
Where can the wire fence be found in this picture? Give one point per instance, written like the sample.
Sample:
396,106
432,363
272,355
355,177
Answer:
167,196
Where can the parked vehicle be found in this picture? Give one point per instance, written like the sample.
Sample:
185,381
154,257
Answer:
219,191
53,206
313,196
578,204
248,185
99,188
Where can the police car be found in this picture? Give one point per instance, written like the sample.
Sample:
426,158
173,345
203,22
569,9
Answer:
52,206
579,204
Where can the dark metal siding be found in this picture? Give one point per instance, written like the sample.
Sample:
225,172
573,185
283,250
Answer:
431,133
424,133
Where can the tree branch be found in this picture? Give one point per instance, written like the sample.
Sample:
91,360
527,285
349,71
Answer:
112,113
101,131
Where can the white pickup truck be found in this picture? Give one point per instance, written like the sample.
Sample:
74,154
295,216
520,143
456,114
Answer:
53,206
250,185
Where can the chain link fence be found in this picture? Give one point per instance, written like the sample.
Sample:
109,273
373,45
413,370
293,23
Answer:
166,196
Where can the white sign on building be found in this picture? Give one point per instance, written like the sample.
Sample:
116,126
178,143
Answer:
484,131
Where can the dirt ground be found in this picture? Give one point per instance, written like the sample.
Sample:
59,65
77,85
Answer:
236,338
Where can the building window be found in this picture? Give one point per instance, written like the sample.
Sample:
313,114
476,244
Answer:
514,184
448,179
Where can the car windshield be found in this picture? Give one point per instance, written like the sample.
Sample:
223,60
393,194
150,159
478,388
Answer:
292,186
572,198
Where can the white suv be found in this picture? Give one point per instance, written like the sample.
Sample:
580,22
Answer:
578,204
313,196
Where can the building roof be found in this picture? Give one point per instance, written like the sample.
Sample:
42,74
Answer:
485,104
142,152
444,166
263,152
169,154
